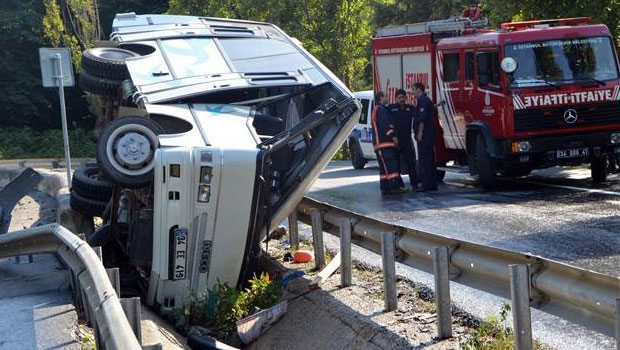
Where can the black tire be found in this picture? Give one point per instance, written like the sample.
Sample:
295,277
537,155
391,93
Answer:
100,86
86,206
89,182
486,173
107,62
516,172
126,149
440,174
598,169
357,156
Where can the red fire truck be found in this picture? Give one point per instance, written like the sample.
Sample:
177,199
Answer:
528,96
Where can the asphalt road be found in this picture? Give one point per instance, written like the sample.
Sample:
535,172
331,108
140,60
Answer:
555,213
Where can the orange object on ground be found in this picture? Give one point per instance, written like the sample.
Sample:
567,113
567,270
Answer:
303,256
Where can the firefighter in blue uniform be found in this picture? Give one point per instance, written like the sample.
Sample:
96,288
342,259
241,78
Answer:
385,142
424,128
403,115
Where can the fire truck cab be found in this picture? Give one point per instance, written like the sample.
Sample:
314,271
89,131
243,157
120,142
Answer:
530,95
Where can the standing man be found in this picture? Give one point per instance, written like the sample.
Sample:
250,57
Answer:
403,115
424,128
385,142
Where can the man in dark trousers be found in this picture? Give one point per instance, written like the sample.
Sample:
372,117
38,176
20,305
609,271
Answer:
385,142
403,115
424,128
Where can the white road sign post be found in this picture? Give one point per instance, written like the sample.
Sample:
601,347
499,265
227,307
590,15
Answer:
56,71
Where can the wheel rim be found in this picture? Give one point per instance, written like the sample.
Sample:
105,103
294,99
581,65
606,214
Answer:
113,54
130,149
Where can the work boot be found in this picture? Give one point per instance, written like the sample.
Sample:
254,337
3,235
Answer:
400,190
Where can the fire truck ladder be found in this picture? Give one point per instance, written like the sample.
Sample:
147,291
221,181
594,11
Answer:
455,26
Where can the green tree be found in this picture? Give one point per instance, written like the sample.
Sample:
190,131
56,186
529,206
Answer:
337,32
23,101
109,8
602,11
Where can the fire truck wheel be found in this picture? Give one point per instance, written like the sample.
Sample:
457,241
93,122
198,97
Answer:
598,169
107,62
89,182
486,173
86,206
126,150
357,157
100,86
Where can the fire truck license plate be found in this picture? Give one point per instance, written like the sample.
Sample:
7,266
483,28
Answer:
180,254
572,153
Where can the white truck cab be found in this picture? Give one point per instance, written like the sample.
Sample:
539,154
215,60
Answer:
233,122
359,143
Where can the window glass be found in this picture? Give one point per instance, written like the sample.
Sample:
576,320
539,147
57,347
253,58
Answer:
488,68
255,55
469,66
194,57
364,115
451,67
563,61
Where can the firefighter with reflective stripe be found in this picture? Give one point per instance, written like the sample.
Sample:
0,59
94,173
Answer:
385,142
403,115
424,128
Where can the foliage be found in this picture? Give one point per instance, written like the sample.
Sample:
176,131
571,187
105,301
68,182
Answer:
86,338
227,305
603,11
337,32
492,334
27,143
56,33
109,8
342,153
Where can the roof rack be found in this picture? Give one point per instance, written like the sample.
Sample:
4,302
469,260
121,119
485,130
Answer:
454,26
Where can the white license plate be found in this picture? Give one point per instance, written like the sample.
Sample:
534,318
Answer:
572,153
180,254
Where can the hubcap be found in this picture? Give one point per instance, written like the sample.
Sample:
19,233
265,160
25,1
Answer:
133,149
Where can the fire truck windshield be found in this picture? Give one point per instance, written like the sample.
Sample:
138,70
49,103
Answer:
563,61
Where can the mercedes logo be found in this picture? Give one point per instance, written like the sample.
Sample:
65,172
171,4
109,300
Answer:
570,116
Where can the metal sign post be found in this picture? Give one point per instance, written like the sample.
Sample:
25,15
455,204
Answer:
54,75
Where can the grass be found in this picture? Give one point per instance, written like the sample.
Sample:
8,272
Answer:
29,143
86,338
226,305
494,334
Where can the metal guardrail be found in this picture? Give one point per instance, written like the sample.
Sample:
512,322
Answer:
90,279
47,163
572,293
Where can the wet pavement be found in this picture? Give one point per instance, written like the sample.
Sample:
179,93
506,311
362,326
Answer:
555,213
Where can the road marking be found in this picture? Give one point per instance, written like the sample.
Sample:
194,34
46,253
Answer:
579,189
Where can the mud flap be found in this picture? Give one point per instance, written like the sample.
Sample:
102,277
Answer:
13,192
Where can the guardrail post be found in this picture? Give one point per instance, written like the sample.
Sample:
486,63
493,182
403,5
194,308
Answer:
99,252
345,253
521,316
133,311
115,279
293,227
442,292
389,270
618,324
317,237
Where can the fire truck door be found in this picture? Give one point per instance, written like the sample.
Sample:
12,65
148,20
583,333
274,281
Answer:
487,93
449,98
